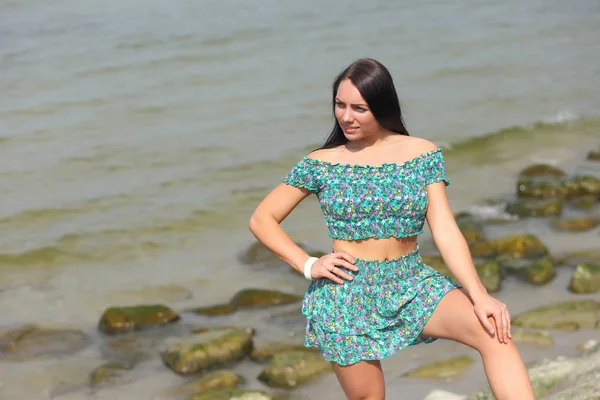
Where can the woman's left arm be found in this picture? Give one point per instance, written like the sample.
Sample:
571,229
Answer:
456,254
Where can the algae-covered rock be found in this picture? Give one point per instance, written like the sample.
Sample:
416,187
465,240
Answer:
535,338
110,372
216,380
574,258
267,353
293,368
204,351
528,188
535,208
520,246
593,155
442,369
539,272
579,186
483,250
586,202
31,342
472,231
117,320
586,278
437,263
231,394
580,224
541,170
253,298
215,310
565,315
489,273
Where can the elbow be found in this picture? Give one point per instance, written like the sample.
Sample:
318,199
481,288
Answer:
253,223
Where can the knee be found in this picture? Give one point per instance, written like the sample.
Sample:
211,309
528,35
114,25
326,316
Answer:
368,397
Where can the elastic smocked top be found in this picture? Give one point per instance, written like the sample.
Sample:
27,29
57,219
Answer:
371,201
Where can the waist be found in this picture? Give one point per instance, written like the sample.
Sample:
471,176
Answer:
377,249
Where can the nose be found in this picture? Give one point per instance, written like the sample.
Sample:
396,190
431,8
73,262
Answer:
347,115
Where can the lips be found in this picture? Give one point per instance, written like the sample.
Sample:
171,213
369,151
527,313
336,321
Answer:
349,128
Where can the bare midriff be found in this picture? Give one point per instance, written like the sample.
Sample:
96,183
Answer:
376,249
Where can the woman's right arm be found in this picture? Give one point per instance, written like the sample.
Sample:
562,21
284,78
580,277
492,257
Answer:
266,219
265,225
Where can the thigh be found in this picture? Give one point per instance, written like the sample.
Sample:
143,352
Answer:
363,380
455,319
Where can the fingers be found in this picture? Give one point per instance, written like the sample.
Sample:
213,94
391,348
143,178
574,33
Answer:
499,325
344,259
486,323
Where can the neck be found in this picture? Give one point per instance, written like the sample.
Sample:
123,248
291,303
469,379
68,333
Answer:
372,141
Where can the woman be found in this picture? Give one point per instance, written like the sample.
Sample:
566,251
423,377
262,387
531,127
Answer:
373,295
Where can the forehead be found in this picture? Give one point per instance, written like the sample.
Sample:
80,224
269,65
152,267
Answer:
348,93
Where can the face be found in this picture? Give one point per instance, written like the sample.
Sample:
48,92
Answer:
353,113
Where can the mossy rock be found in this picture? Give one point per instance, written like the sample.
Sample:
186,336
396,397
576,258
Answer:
31,342
117,320
567,315
483,250
256,298
472,232
586,278
215,310
539,272
535,208
540,189
593,155
204,351
520,246
108,373
586,202
579,186
442,369
437,263
541,170
267,353
535,338
574,258
489,273
580,224
293,368
231,394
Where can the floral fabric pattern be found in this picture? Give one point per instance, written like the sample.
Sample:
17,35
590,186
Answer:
365,201
386,306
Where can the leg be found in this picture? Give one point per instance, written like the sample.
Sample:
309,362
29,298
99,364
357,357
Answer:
454,319
361,381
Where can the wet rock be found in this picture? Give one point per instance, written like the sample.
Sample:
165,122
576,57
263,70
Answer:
31,342
593,155
231,394
535,338
586,278
579,186
567,315
585,202
437,263
581,224
483,250
117,320
293,368
541,170
267,353
472,231
535,208
443,395
489,273
217,380
216,310
442,369
520,246
109,373
254,298
204,351
543,188
539,272
574,258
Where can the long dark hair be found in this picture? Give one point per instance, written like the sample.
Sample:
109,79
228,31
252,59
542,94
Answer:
375,84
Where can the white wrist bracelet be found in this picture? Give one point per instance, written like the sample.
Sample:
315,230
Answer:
307,267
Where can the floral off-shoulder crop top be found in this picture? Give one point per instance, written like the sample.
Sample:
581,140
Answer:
371,201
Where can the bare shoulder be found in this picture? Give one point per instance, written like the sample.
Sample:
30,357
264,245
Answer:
328,155
414,146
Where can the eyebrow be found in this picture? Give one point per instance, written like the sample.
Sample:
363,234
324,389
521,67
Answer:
359,104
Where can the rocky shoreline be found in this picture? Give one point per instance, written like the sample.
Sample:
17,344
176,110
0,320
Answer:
205,357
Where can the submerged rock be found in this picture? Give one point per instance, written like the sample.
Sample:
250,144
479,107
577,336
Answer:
117,320
217,380
254,298
231,394
31,342
293,368
539,272
536,338
580,224
109,373
442,369
586,278
567,315
535,208
208,350
214,311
